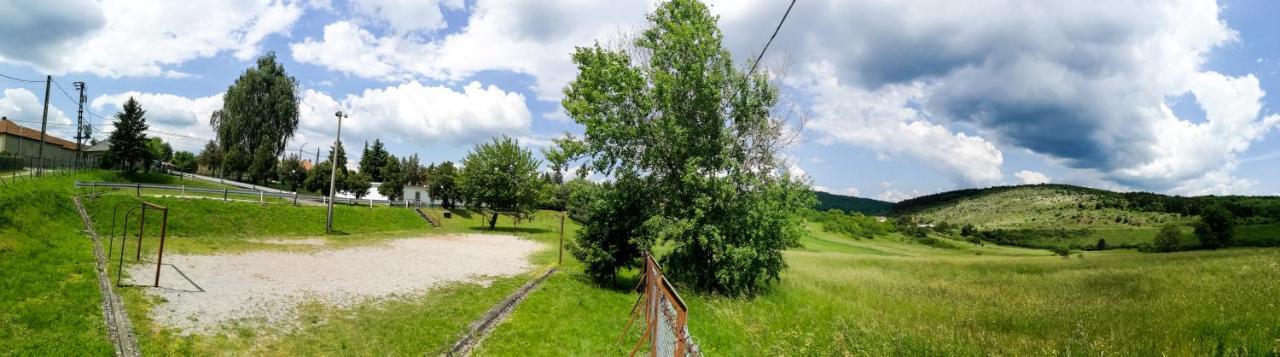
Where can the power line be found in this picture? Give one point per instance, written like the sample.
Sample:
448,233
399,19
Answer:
17,79
775,34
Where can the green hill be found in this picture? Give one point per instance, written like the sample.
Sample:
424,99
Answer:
867,206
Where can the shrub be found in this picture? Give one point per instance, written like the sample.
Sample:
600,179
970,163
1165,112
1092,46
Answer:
1169,239
1215,228
1102,244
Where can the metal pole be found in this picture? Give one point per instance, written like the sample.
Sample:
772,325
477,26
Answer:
142,225
44,120
164,225
333,174
561,239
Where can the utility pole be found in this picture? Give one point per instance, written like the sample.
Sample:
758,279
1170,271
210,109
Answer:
333,173
44,120
80,125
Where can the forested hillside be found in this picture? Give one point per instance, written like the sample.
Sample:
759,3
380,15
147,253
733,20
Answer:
867,206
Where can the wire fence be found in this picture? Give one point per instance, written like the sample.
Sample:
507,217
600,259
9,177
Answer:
241,195
666,316
14,168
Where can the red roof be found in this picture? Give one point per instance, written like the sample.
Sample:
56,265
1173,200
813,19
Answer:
9,127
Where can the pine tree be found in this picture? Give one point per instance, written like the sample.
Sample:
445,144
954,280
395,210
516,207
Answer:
129,140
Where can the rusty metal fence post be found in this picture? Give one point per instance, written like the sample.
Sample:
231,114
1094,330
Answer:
142,226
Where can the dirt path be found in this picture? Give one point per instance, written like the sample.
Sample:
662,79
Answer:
201,292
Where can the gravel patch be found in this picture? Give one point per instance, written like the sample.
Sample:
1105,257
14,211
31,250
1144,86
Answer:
305,241
200,293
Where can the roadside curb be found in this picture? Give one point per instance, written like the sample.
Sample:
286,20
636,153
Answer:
119,330
482,327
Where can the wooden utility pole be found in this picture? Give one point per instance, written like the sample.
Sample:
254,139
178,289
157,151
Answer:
80,125
44,120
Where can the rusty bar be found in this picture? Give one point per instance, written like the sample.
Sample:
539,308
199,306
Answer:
561,240
164,225
142,225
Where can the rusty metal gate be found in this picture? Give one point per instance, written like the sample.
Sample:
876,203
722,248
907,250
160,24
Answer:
665,315
142,225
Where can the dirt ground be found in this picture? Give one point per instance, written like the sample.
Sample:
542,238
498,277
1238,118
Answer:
201,292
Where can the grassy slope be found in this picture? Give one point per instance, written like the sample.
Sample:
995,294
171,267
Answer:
884,296
427,323
49,300
1042,207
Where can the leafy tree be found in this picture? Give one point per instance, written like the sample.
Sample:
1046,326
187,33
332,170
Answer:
581,193
211,157
1168,239
259,114
357,184
373,159
128,141
617,234
1216,227
318,179
500,176
699,133
342,156
392,179
292,173
159,149
185,161
443,181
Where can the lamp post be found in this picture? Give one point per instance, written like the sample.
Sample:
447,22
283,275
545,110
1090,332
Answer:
333,173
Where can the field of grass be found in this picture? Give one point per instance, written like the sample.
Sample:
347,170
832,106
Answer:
886,296
49,300
423,323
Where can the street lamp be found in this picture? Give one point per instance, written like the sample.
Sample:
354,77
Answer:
333,173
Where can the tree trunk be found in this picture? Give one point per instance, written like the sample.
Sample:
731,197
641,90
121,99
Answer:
493,222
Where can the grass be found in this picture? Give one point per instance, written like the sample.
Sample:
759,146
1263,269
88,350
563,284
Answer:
49,299
886,296
413,324
1044,207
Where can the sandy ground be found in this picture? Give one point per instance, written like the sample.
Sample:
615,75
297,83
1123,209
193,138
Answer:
201,292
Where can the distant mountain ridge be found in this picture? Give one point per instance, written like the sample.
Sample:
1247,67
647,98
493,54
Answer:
866,206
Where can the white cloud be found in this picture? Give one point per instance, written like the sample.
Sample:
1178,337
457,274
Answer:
525,36
848,191
188,117
415,113
883,121
894,195
22,106
1031,177
406,16
146,37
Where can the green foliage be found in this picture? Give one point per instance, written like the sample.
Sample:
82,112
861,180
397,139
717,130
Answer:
128,141
852,225
157,151
828,201
616,235
581,194
292,173
442,181
357,184
373,159
699,136
318,178
1168,239
258,116
211,156
500,176
1216,228
185,161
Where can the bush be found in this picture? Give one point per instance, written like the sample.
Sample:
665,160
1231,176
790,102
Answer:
1215,228
1169,239
1102,244
1061,250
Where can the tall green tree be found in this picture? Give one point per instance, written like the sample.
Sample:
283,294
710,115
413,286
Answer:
393,180
210,157
502,177
700,136
373,159
443,183
129,141
157,151
292,173
259,114
1216,227
357,184
185,161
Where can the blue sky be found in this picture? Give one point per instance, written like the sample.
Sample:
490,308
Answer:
891,100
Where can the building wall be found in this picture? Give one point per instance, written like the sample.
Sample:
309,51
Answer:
24,147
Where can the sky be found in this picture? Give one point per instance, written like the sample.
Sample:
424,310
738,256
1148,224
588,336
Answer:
891,99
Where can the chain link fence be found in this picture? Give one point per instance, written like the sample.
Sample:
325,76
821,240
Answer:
14,168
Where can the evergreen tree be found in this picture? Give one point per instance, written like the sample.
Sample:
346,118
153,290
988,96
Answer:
128,141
